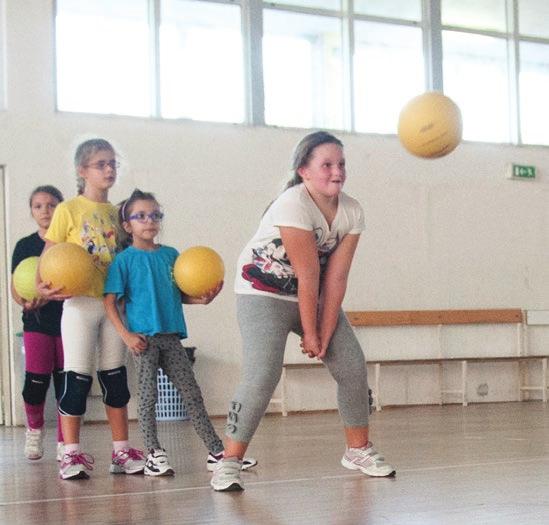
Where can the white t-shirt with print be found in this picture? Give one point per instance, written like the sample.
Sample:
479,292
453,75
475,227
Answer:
263,266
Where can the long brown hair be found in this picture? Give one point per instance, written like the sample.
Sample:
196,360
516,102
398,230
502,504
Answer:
302,154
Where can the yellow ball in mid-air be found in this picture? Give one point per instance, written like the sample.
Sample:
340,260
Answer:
24,278
430,125
68,266
198,270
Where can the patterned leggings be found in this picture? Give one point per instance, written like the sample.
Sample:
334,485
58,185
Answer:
165,351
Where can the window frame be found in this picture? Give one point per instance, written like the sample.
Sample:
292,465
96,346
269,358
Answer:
252,32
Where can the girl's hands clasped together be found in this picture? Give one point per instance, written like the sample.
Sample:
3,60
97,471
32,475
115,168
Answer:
310,345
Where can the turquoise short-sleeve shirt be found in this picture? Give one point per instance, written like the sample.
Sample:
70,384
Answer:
144,279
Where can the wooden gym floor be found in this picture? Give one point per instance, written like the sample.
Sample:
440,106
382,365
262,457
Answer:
481,464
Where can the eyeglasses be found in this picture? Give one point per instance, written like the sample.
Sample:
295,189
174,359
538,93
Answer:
102,164
155,216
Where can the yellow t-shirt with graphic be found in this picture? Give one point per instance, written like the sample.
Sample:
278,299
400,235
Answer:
92,225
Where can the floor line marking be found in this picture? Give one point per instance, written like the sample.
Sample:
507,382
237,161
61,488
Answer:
267,482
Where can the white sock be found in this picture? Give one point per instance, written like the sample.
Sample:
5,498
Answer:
117,446
72,447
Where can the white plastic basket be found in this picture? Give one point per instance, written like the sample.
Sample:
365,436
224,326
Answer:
169,406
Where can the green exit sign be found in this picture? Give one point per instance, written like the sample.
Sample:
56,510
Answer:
520,171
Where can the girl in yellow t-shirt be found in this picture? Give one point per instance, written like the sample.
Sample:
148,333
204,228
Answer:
90,221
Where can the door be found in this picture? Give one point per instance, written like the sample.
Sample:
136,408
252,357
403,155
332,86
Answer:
6,354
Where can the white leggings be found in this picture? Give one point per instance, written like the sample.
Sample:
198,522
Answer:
87,331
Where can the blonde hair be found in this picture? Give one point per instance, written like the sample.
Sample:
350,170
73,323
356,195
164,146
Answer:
82,155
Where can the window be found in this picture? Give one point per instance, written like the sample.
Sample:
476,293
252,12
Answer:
103,57
482,63
2,65
533,16
398,9
476,78
308,63
201,61
472,14
303,70
534,88
318,4
475,66
381,90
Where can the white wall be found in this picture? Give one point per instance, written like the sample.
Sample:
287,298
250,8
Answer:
448,233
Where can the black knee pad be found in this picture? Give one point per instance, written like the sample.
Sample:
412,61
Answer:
58,382
35,388
76,388
114,385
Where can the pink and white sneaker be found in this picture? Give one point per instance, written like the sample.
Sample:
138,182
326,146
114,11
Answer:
127,461
74,465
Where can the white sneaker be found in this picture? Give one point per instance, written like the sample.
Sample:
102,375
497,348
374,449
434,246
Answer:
157,463
226,477
60,451
214,459
75,464
368,461
34,443
127,461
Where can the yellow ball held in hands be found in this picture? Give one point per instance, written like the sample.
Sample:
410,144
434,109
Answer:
24,278
430,125
68,266
198,270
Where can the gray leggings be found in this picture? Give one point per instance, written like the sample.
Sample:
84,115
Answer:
165,351
265,323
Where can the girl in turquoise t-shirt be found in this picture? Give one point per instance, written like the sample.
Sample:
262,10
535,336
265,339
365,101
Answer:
140,280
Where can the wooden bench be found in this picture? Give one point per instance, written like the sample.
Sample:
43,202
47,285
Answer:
438,318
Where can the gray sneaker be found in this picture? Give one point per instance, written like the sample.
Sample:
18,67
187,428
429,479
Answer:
226,477
368,461
214,459
34,443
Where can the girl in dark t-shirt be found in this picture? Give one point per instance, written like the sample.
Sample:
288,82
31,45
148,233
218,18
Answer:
41,329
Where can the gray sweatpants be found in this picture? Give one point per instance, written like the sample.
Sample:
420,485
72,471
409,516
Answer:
265,323
165,351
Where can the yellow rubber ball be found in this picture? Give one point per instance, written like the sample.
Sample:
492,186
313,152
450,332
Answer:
430,125
198,270
68,266
24,278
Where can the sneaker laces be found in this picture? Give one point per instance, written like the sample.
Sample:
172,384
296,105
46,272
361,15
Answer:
33,438
132,453
79,458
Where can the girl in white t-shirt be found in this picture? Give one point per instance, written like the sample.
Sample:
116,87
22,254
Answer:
292,277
